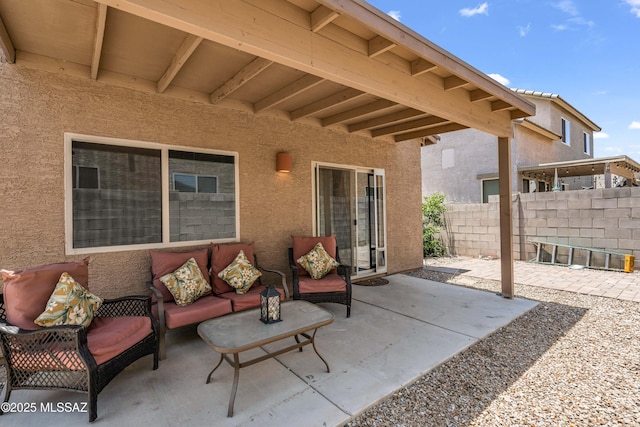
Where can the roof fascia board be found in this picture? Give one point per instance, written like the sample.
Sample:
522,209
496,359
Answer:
244,26
528,124
561,102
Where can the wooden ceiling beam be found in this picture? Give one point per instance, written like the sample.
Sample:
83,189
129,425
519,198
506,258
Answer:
500,105
386,119
411,125
379,45
478,95
6,45
263,31
254,68
322,104
454,82
421,66
321,17
451,127
101,19
372,107
186,49
289,91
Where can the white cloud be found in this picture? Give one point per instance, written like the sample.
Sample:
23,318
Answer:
524,30
600,135
395,14
635,7
560,27
481,9
634,125
567,6
500,79
613,149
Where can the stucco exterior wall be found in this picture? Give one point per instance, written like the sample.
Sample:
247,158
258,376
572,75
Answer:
475,155
452,165
37,108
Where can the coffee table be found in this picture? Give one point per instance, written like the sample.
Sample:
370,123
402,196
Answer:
237,332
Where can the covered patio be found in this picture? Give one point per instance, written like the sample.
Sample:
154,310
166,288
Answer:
331,82
402,330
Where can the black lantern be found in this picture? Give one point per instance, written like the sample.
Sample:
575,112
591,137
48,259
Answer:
270,305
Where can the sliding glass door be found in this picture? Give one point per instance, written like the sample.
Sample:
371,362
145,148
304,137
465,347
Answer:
350,204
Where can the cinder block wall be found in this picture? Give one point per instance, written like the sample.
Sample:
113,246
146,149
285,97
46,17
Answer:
602,218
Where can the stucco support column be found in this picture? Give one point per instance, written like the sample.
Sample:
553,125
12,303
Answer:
506,218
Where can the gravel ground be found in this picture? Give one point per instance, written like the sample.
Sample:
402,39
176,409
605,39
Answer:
573,360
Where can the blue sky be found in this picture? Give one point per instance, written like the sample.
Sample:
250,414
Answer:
586,51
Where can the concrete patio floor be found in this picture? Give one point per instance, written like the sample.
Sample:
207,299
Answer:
396,334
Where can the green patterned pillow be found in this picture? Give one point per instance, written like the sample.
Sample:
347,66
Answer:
69,304
240,274
187,283
317,262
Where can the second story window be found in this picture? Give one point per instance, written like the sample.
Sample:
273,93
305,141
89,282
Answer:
566,127
586,140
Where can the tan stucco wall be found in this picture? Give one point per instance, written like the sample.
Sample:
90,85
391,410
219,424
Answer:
37,107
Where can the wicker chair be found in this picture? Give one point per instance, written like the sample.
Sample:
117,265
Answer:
334,287
58,358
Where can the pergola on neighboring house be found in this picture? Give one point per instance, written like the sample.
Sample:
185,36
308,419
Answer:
606,167
334,66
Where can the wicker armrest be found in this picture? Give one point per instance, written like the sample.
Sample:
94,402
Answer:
136,305
56,342
283,279
344,271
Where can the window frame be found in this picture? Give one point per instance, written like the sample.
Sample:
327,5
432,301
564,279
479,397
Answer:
586,143
164,149
197,181
565,131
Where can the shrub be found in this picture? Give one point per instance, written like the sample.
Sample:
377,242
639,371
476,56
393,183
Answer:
433,210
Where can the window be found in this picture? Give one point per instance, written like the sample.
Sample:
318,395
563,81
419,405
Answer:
187,183
566,128
586,140
490,187
131,193
86,177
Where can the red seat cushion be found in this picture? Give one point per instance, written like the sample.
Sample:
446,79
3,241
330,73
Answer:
222,256
109,336
167,262
249,300
303,244
332,282
204,308
27,292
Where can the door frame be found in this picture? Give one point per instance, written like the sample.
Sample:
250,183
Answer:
380,251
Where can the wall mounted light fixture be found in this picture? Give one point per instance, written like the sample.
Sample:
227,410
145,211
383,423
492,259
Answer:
283,162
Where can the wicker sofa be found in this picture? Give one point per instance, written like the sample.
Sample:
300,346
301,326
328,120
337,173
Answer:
221,301
75,358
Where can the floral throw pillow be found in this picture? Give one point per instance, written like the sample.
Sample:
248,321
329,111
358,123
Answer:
317,262
69,304
187,283
240,274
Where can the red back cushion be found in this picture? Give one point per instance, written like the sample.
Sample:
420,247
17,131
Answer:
27,292
167,262
303,244
222,256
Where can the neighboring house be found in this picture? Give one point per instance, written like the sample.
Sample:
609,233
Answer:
463,165
127,126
